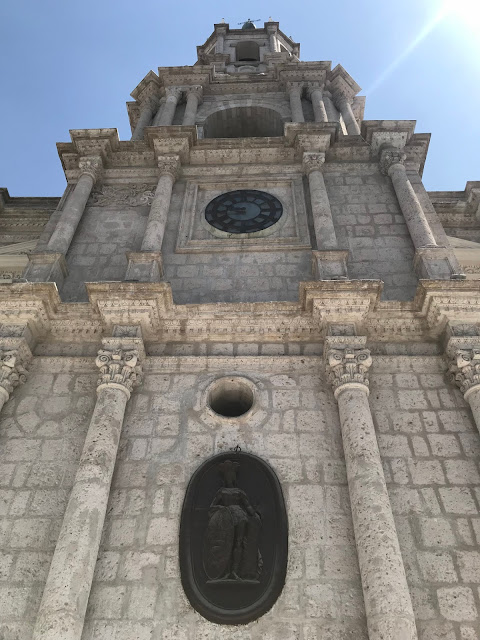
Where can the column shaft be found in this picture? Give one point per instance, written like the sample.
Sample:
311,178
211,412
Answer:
62,610
322,214
220,43
193,98
169,108
158,115
273,42
473,399
385,590
349,119
412,210
145,119
331,110
71,215
318,105
157,218
295,95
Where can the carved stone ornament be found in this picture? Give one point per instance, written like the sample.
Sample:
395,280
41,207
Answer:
92,166
233,539
132,195
169,165
196,90
390,156
348,366
313,162
12,371
119,368
465,369
295,87
173,92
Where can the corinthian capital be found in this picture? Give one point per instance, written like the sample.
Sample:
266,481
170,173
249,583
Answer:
312,162
465,369
169,165
12,370
312,88
390,156
92,166
295,87
348,366
119,368
173,92
196,90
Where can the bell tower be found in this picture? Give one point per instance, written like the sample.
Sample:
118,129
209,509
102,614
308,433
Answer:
256,285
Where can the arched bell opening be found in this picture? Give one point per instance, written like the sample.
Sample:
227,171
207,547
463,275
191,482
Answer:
247,52
243,122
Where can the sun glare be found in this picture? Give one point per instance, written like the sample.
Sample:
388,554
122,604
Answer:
468,11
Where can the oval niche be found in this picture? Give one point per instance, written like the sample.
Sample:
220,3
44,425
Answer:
233,538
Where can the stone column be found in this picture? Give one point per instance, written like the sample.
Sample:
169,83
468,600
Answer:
147,110
194,96
64,603
295,94
392,164
220,43
465,372
388,605
171,100
14,358
272,39
90,170
332,113
345,106
316,97
158,115
146,265
328,262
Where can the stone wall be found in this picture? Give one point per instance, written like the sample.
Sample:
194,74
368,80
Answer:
431,449
98,250
369,223
42,429
429,445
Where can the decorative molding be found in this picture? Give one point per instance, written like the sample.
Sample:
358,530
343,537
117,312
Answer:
390,156
92,166
169,165
13,363
465,369
347,366
134,195
312,162
119,368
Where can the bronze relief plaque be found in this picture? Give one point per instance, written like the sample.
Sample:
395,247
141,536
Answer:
233,538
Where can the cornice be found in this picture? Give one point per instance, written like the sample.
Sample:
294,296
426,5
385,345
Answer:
320,304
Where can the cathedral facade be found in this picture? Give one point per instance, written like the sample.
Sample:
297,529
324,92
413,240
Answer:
240,370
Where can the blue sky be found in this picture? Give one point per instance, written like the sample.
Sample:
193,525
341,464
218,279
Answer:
71,65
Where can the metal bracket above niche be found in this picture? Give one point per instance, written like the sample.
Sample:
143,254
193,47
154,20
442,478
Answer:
233,538
289,233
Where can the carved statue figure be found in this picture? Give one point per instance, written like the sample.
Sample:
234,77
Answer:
230,549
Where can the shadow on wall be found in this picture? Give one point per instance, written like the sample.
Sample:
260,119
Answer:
243,122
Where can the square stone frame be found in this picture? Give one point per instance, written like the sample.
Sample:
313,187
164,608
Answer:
193,223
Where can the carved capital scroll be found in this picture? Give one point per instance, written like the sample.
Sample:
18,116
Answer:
92,166
465,369
169,165
173,92
312,162
196,90
119,368
348,366
389,156
12,370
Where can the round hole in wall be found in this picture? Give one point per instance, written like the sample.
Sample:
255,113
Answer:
231,397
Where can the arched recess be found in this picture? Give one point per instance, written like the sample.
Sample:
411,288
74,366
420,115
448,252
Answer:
243,122
247,52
